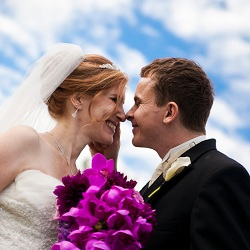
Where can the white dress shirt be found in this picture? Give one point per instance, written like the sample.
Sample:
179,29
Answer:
174,153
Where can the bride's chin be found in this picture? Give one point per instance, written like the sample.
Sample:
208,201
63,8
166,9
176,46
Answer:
107,141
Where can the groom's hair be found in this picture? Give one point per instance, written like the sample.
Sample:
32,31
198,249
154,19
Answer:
184,82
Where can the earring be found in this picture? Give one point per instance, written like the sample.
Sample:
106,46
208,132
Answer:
74,114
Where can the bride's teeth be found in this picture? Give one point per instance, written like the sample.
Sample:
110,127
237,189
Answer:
111,125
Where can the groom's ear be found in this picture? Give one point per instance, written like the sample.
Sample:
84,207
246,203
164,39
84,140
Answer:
171,113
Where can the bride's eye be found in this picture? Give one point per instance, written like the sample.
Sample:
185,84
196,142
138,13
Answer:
114,99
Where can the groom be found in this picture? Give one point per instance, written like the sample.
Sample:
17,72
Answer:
201,196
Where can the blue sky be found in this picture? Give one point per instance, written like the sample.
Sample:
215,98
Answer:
214,33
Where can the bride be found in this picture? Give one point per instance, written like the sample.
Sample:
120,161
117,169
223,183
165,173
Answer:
84,94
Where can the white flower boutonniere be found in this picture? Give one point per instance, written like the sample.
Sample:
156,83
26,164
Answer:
176,167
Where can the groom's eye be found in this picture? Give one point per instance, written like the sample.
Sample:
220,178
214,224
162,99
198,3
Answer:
137,103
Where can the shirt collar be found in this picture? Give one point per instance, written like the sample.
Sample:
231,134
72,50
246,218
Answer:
191,143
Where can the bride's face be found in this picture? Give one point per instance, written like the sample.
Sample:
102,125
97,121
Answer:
102,129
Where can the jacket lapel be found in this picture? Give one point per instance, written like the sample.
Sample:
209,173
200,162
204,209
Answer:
194,153
160,183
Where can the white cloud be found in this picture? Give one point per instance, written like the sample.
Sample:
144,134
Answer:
233,146
105,10
229,57
206,19
131,60
35,25
9,80
224,116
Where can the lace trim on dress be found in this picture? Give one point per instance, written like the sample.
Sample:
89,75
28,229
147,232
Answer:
23,227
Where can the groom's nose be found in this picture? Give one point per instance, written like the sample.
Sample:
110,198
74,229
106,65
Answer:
130,114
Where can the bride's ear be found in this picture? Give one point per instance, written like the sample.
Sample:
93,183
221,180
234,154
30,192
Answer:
171,112
76,100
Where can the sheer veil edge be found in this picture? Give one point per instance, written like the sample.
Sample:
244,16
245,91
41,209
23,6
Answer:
27,106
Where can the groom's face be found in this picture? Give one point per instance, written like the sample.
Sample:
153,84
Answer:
146,117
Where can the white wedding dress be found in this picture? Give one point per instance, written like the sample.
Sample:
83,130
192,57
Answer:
27,207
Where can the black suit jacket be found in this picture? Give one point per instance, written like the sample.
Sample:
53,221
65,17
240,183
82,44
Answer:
205,207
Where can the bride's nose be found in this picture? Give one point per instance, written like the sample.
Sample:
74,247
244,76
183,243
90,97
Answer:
121,114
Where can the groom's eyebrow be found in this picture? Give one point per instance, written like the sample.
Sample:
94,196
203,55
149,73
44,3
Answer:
137,99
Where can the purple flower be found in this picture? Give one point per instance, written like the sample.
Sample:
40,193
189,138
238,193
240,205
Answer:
90,211
75,185
80,236
137,196
63,230
95,244
120,220
97,241
122,240
142,230
115,194
118,179
101,167
64,245
100,210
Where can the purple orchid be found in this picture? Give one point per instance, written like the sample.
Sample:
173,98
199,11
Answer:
100,210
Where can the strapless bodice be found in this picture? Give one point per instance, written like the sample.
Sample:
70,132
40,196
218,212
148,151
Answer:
27,207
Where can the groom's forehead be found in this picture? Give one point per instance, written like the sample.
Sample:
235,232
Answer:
144,85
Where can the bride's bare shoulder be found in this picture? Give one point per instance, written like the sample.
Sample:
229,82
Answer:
18,146
20,136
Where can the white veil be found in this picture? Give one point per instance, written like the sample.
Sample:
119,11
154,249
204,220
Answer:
27,105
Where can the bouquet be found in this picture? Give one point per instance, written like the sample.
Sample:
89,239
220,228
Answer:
99,209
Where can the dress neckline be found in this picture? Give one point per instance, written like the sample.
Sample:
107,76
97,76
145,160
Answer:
39,171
